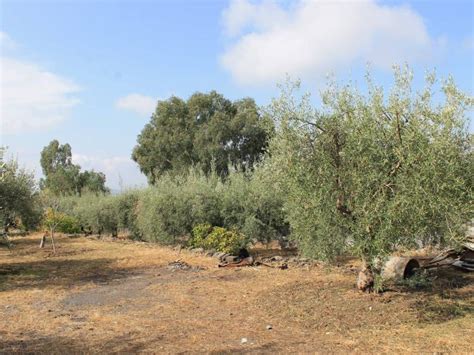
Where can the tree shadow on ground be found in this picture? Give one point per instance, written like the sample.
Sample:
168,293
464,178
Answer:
36,343
52,272
442,295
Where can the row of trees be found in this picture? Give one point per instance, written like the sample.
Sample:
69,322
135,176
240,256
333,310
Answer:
168,211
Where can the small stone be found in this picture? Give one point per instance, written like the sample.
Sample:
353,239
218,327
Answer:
269,327
277,258
243,341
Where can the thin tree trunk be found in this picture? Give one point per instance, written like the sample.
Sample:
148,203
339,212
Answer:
52,240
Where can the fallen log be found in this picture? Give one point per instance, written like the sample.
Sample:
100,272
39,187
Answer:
462,259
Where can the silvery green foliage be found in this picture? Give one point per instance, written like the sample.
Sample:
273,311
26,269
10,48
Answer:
18,195
372,172
103,213
167,211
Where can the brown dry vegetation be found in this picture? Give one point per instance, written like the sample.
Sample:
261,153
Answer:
104,296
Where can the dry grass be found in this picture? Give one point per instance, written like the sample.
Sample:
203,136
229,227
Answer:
102,296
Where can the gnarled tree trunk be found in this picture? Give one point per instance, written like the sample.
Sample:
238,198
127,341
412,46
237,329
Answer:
365,280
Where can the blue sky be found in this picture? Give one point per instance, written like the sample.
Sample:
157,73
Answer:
89,72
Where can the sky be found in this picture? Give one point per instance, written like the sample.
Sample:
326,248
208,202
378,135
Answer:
89,73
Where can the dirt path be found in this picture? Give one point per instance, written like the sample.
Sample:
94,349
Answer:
99,296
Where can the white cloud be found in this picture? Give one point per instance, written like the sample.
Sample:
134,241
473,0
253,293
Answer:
315,37
141,104
6,43
115,168
31,98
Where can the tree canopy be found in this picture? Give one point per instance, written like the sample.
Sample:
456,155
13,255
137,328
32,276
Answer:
374,172
207,130
62,177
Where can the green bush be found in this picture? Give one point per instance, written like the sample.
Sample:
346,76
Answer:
69,224
87,211
250,205
217,238
95,213
167,212
200,233
126,213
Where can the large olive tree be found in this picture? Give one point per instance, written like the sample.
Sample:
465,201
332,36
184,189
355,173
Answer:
372,172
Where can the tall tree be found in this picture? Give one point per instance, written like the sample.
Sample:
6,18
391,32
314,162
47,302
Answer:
62,177
206,130
92,181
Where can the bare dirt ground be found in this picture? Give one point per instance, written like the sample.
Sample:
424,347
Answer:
104,296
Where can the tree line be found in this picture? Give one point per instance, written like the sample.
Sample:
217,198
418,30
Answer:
364,173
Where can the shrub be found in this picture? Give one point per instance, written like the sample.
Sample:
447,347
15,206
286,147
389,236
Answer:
126,213
217,238
69,224
250,205
167,211
200,233
87,211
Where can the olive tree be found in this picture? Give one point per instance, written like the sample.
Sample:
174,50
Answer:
18,195
372,172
